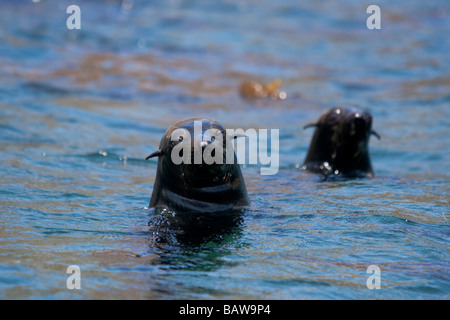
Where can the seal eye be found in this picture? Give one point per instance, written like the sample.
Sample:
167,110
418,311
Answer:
175,142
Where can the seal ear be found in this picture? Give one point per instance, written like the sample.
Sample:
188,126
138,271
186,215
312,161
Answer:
310,125
375,134
155,154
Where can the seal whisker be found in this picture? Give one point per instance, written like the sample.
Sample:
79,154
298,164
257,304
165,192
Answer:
375,134
310,125
155,154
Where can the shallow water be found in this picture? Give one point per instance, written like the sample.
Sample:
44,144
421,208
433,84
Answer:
81,109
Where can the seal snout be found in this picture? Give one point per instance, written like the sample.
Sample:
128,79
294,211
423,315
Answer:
359,125
203,142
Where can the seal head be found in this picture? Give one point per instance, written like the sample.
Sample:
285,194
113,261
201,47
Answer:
340,144
193,174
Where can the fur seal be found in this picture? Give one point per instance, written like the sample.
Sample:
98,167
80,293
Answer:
340,144
192,185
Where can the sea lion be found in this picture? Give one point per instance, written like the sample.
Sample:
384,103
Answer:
185,183
340,144
253,90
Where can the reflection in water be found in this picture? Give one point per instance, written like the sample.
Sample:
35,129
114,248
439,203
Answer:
193,228
193,240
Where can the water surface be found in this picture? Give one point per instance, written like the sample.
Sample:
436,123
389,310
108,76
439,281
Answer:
81,109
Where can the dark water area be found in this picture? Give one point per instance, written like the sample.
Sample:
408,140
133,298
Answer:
81,109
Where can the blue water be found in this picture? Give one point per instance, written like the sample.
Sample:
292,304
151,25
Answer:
81,109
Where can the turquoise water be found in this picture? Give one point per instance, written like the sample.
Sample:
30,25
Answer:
81,109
